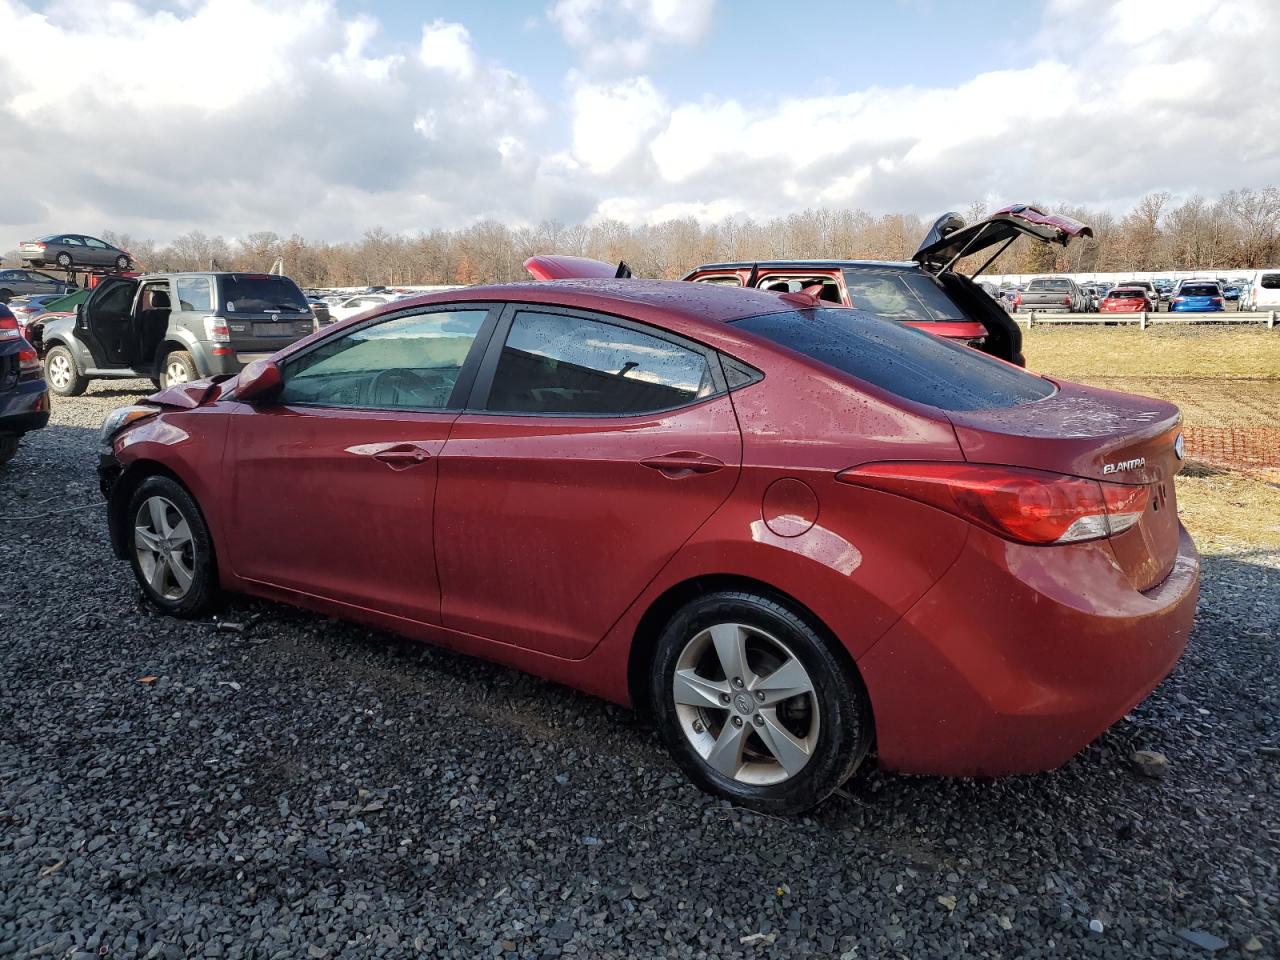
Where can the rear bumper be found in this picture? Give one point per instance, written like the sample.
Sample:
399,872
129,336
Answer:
1021,656
24,408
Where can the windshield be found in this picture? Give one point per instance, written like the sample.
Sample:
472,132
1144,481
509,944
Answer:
899,295
250,293
902,360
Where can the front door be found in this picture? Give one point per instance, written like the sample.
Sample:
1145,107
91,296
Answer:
333,482
106,326
600,448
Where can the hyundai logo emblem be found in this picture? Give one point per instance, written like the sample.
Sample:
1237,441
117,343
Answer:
1179,446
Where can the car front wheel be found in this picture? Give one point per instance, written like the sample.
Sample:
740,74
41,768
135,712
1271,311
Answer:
170,549
755,705
65,378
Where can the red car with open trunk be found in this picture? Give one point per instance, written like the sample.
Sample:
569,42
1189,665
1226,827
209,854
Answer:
792,532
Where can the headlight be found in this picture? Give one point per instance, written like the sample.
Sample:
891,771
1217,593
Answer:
121,417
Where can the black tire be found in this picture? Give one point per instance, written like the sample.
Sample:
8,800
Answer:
63,260
122,263
844,734
8,447
203,592
182,359
70,384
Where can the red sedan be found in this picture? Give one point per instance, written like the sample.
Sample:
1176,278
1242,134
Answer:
1126,300
789,531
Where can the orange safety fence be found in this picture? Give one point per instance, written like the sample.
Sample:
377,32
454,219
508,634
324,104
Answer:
1248,449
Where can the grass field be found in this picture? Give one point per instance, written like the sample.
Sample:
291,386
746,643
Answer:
1227,383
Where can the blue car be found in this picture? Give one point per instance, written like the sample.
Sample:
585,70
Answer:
24,395
1196,296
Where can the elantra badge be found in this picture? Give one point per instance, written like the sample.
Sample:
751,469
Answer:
1135,464
1179,447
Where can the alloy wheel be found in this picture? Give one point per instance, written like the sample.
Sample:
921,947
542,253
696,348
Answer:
746,704
60,372
165,548
175,372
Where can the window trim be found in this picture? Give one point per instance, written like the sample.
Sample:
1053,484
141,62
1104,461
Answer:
483,384
462,388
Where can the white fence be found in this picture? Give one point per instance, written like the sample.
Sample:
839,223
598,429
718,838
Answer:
1033,318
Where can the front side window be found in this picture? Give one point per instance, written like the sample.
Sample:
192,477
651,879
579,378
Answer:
407,363
96,244
558,364
195,293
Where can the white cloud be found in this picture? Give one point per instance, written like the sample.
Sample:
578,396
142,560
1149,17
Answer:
447,47
611,122
622,34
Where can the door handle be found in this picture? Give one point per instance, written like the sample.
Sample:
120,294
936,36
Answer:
686,463
398,456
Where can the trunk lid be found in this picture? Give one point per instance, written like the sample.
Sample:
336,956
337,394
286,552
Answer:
1114,438
949,238
552,267
263,313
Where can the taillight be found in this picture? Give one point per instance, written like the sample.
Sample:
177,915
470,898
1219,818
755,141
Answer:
215,329
1218,301
1066,301
1029,506
1178,300
9,329
1018,299
28,362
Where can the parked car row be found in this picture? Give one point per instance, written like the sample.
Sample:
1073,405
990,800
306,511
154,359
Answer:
1065,295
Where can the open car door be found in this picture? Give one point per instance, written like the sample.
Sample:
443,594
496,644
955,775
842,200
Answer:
574,268
104,323
950,239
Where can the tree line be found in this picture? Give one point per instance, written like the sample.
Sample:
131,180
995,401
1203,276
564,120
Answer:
1240,229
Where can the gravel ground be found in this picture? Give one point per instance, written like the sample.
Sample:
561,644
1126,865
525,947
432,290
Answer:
307,788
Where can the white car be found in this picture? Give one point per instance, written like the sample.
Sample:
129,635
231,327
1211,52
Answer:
1261,294
359,304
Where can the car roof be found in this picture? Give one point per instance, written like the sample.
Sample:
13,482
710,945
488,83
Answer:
655,300
808,265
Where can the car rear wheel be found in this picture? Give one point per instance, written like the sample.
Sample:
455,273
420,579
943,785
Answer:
170,549
65,379
8,448
178,368
63,260
755,705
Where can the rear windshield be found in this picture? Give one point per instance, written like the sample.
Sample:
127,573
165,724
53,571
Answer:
1050,285
904,361
245,293
1199,290
1130,294
899,295
1270,281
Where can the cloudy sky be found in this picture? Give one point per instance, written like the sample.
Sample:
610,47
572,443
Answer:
157,117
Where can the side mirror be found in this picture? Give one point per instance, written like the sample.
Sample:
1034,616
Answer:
258,382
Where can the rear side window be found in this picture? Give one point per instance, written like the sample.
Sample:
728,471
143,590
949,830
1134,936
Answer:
195,293
1270,281
904,361
558,364
258,293
899,295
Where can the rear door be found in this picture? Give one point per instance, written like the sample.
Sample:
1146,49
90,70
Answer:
598,448
332,485
264,313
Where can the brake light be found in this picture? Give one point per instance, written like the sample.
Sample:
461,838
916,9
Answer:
215,329
1066,301
1178,300
1028,506
1018,298
9,329
33,243
1218,301
28,362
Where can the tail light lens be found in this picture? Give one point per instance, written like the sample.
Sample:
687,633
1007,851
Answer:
1066,301
215,329
1218,301
1027,506
1177,300
28,362
9,329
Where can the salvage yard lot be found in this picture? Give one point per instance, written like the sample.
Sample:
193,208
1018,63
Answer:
284,785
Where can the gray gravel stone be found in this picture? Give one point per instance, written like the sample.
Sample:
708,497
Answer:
367,796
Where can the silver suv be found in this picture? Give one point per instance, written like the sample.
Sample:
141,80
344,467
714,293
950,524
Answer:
172,328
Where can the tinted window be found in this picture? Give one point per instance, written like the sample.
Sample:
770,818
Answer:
902,360
1270,281
195,293
1050,285
1130,294
899,295
243,293
561,364
1199,290
407,363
